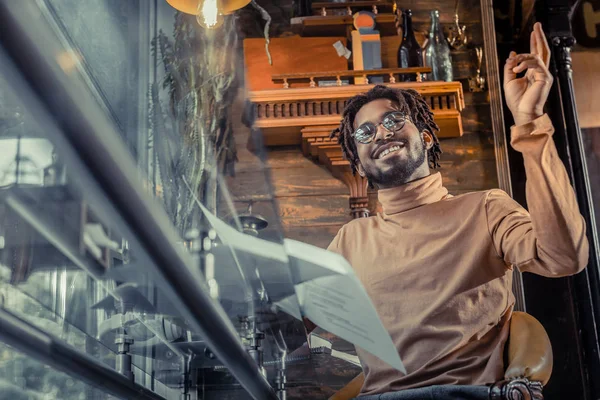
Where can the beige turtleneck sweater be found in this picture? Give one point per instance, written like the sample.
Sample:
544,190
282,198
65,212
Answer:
439,268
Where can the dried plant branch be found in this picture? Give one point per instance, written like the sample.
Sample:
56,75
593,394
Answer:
265,15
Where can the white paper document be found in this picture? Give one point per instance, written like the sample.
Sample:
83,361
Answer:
326,289
339,303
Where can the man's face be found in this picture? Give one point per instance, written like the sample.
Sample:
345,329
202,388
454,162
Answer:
393,157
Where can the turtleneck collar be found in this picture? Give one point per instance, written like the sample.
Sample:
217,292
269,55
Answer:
413,194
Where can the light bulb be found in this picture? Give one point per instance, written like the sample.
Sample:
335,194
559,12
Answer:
208,15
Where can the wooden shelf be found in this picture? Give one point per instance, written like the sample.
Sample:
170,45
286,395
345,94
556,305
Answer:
351,3
339,25
314,77
375,6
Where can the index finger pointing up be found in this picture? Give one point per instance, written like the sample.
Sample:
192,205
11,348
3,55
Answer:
533,43
542,44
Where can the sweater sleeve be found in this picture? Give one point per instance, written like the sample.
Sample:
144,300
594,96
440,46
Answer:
550,239
334,246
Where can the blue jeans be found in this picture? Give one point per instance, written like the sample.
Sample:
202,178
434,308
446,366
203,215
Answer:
440,392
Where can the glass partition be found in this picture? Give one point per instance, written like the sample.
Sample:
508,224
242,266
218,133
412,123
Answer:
75,261
139,220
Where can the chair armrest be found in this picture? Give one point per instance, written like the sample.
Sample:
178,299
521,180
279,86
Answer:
351,390
529,349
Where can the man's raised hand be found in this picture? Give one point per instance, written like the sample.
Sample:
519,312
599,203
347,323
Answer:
527,95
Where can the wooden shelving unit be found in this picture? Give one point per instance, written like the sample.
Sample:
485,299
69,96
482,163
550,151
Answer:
281,114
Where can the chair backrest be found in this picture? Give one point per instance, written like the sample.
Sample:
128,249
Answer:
529,349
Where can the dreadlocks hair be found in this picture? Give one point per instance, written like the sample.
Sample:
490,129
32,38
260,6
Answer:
410,103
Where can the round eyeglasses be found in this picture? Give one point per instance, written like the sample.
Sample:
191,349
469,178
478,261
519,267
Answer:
393,122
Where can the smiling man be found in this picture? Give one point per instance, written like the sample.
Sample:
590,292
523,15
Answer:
439,268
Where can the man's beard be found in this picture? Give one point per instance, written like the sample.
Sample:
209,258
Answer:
401,172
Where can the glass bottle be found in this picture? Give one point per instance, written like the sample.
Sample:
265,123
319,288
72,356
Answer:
437,51
410,53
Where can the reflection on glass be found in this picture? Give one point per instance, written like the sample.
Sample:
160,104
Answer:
23,378
24,161
78,272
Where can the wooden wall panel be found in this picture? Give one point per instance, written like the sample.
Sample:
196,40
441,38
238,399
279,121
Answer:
290,182
317,235
290,55
310,211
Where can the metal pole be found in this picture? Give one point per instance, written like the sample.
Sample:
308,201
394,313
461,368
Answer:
581,179
36,343
106,171
588,282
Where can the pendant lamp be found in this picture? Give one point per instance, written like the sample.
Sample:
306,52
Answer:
191,6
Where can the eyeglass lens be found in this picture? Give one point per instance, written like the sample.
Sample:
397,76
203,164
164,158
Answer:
392,122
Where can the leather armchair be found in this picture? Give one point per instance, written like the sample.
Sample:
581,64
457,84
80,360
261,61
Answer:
529,355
